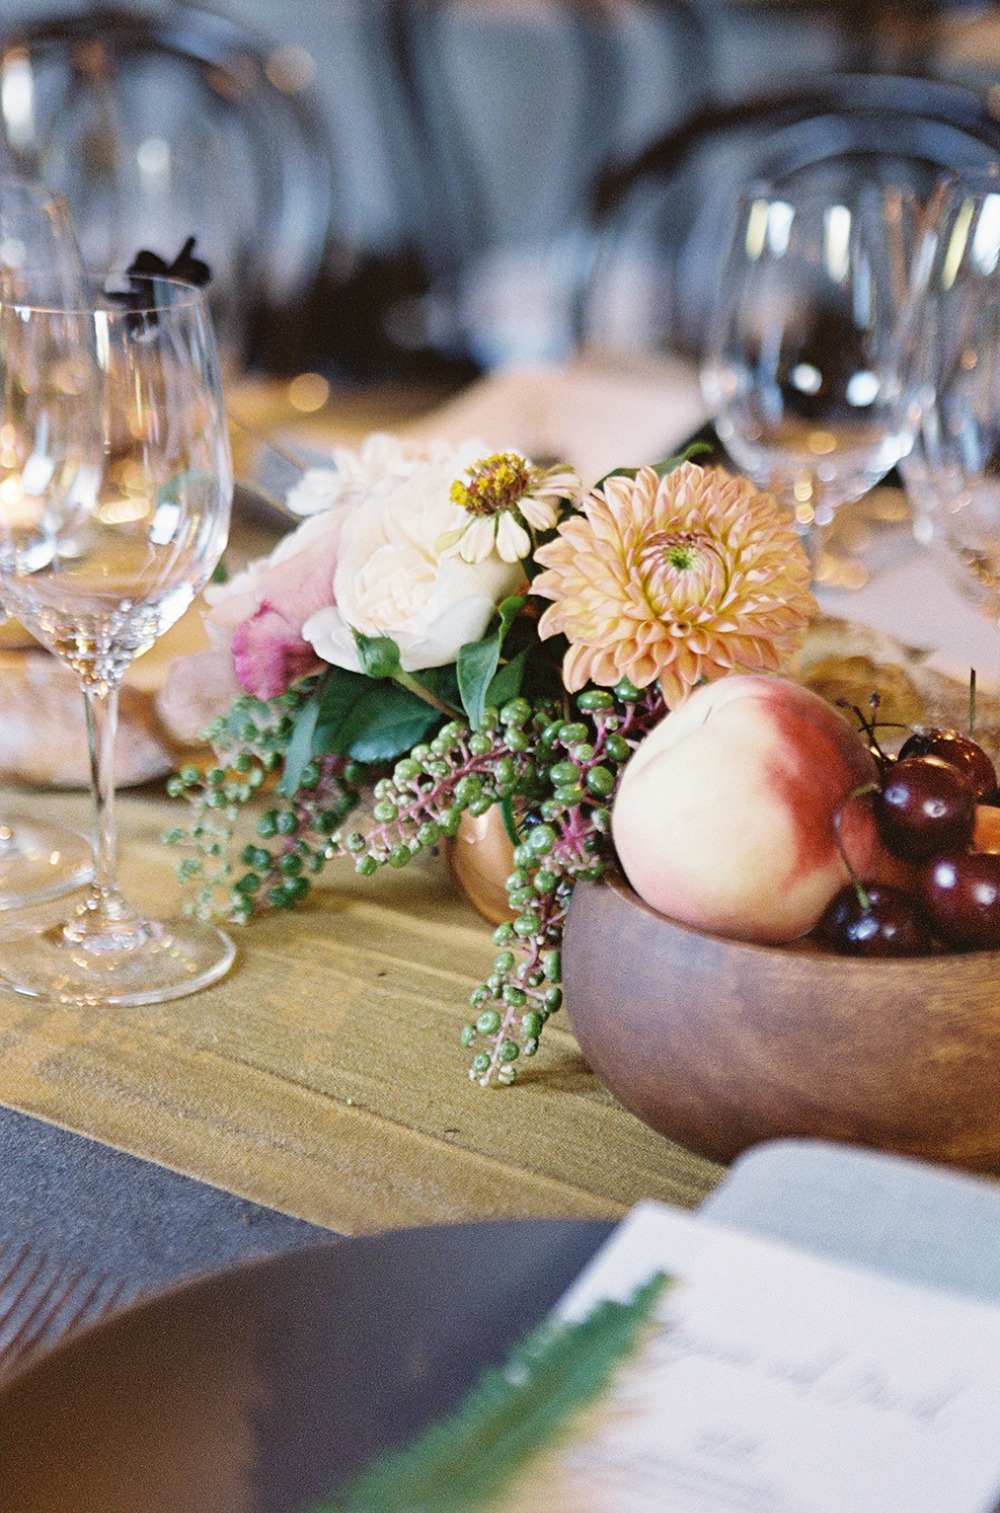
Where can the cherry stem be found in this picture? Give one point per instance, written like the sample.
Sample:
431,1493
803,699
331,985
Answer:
856,793
972,703
867,722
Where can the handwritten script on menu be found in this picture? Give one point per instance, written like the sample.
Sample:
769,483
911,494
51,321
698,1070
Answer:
772,1381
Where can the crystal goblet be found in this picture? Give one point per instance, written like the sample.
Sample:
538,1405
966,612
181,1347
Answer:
799,371
38,861
115,495
950,363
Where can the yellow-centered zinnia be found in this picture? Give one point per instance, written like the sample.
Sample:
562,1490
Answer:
506,498
674,580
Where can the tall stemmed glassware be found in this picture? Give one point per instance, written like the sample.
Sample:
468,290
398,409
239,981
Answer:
799,370
37,242
951,379
115,493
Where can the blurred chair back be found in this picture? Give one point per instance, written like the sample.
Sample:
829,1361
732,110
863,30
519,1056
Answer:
510,110
659,221
156,127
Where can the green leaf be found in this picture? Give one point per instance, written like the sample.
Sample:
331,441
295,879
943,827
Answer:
479,660
512,1414
442,681
664,466
300,747
376,721
378,724
691,451
337,695
507,683
379,655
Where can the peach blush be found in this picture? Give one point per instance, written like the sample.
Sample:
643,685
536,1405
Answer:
725,817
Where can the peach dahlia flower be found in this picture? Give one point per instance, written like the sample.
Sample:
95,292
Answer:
674,580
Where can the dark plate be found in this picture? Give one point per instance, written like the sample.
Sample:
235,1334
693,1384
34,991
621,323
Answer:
255,1389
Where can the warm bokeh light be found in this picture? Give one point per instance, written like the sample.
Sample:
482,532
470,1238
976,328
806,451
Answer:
308,392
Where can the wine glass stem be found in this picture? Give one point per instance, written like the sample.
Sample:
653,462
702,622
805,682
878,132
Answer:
812,537
101,702
803,496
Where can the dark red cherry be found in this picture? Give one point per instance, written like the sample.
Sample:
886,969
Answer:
962,752
881,920
961,895
926,807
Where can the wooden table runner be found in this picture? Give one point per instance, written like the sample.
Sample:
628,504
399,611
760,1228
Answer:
324,1077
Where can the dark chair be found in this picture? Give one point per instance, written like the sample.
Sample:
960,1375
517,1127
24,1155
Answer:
658,221
161,126
509,111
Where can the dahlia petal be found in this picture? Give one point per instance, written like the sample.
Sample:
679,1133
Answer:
674,579
643,670
576,668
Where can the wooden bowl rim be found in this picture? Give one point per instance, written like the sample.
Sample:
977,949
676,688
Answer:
937,963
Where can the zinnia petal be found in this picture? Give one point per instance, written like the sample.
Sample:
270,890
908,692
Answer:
540,512
476,540
513,541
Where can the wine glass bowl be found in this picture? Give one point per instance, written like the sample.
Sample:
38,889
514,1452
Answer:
799,369
115,493
950,360
106,538
38,246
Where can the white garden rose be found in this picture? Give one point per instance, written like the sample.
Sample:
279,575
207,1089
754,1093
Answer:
316,490
355,472
392,579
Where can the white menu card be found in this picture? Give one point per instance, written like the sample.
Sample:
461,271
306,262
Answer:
772,1381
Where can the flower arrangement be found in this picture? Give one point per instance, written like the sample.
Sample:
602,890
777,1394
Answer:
448,632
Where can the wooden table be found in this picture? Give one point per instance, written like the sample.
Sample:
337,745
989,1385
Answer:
324,1077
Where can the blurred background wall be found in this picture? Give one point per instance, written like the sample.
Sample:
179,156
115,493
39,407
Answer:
387,187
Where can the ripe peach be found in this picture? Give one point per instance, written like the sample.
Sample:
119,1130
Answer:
725,815
986,835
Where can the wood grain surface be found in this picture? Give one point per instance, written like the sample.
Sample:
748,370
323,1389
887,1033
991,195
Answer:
324,1077
720,1044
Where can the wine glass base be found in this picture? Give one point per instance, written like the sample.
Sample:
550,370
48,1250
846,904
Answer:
40,862
147,964
865,536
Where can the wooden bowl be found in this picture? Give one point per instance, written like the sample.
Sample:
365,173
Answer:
719,1044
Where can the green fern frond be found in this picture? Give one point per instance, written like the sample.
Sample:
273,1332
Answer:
511,1415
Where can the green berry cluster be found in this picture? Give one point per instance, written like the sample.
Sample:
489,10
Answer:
290,841
562,840
550,765
459,771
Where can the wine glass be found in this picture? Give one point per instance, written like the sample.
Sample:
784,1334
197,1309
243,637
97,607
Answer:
115,494
950,364
38,861
799,370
